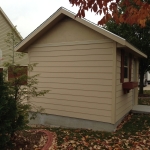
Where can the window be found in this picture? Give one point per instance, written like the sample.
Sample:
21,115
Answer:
126,63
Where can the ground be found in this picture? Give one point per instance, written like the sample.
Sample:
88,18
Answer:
29,140
34,139
133,133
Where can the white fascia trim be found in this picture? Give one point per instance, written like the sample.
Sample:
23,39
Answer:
135,50
38,29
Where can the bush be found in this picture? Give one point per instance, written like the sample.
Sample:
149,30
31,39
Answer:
15,95
15,104
9,118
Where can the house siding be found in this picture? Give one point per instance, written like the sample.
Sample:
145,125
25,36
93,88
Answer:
78,74
5,27
124,102
77,83
68,30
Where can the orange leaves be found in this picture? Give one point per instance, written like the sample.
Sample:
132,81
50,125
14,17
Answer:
127,3
108,17
131,15
117,1
83,13
100,4
90,3
102,21
105,10
142,22
95,7
138,2
105,19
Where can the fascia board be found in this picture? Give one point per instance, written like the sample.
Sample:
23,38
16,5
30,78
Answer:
28,40
135,49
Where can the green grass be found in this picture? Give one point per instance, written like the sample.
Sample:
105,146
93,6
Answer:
147,92
145,99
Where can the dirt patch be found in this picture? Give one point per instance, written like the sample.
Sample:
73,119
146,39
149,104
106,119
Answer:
29,140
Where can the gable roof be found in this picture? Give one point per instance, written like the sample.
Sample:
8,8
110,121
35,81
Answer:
60,14
9,22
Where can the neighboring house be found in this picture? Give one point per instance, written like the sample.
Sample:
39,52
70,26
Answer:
88,70
6,27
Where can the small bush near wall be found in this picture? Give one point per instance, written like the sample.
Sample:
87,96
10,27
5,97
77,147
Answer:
10,119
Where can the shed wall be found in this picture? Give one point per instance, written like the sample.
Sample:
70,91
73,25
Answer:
124,102
69,30
78,74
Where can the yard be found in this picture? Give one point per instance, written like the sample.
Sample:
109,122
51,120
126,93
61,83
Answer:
133,133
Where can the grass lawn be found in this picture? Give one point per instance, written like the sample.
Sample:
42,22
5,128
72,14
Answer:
145,99
133,133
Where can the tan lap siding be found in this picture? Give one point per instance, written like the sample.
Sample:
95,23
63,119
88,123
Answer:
5,28
79,78
123,101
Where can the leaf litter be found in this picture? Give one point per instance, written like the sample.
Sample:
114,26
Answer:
133,133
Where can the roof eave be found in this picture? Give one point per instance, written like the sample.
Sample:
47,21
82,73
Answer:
132,48
38,31
135,50
59,14
62,11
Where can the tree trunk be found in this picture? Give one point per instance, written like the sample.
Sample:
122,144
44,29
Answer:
141,83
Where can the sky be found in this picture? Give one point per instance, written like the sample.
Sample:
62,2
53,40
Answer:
27,15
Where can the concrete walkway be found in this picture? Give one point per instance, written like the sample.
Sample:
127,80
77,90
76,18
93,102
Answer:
141,108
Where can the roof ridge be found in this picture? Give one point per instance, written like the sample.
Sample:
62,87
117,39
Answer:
56,16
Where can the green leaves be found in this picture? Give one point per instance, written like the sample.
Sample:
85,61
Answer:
15,94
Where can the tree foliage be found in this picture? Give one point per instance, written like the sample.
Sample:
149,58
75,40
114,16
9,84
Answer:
15,96
135,12
8,114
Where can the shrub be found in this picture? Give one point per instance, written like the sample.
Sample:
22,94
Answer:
10,120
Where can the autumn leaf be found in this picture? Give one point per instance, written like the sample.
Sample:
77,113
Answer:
130,14
83,13
99,3
142,22
95,7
